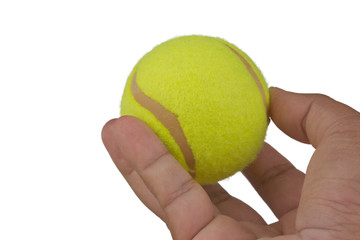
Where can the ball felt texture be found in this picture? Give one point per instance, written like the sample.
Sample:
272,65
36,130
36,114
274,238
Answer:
205,99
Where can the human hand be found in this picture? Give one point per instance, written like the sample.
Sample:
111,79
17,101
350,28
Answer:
323,204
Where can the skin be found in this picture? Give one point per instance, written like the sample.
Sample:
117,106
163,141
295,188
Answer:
322,204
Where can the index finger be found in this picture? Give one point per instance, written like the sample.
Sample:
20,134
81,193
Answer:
187,207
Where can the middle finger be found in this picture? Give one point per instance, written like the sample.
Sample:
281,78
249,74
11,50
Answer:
232,207
276,180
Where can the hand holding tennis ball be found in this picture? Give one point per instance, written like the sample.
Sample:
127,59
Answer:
205,99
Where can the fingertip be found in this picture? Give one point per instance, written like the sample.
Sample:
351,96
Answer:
276,92
273,88
287,111
277,95
136,140
107,129
134,129
114,128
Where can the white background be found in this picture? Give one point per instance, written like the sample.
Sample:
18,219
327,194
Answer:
63,65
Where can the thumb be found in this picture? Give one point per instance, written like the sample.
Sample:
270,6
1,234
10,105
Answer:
310,118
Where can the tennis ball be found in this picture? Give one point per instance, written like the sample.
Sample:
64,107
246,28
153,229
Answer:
205,99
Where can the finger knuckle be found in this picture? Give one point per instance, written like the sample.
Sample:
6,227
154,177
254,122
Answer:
184,188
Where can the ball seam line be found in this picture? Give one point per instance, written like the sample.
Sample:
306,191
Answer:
168,119
254,76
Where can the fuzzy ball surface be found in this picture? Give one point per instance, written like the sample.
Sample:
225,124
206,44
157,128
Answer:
205,99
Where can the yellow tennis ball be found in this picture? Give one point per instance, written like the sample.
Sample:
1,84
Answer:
205,99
